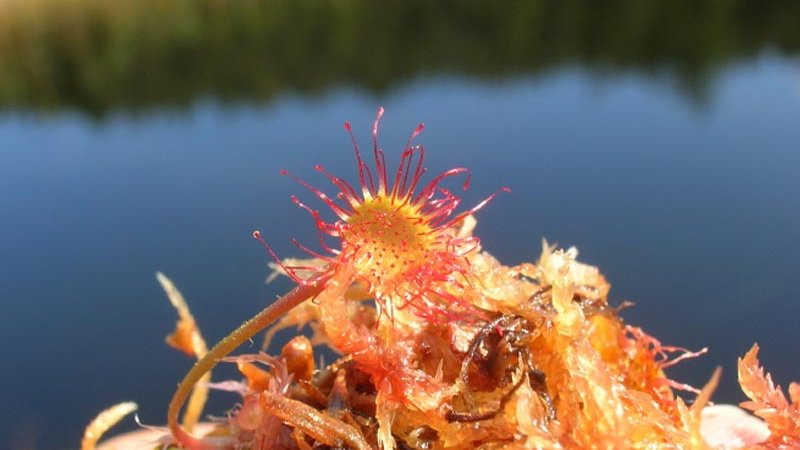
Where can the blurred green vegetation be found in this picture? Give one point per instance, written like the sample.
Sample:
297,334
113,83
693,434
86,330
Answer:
99,55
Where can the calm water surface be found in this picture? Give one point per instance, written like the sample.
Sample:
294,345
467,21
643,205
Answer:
688,205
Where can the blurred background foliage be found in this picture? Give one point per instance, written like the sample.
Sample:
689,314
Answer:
99,55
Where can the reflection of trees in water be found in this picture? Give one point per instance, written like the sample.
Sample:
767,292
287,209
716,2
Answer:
96,55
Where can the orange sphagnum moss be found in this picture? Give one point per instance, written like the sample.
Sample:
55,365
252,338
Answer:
443,347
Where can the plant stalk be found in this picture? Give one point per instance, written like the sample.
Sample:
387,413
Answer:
228,344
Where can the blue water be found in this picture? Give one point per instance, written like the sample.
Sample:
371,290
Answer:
689,207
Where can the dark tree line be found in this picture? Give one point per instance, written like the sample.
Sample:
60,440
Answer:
95,55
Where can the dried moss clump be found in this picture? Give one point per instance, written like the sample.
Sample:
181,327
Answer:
443,347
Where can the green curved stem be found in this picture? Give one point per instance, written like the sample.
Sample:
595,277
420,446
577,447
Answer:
229,343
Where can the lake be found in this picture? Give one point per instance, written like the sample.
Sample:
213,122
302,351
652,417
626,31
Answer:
662,141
